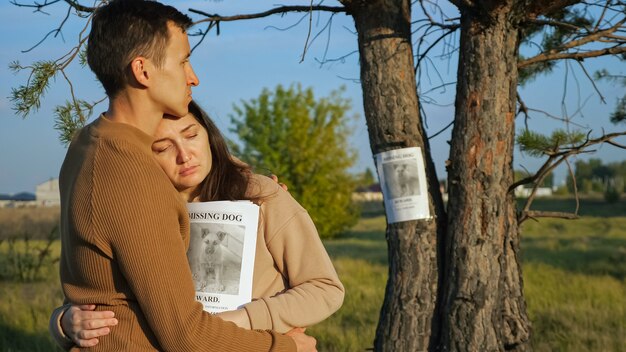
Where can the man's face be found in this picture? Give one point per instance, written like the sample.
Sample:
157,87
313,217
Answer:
173,80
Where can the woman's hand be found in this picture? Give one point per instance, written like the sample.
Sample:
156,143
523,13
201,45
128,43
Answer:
238,316
83,325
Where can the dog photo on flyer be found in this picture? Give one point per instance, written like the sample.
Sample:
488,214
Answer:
221,252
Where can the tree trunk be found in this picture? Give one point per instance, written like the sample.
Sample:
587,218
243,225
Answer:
393,119
484,307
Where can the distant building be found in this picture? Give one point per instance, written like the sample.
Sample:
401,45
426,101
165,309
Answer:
522,192
368,194
18,200
47,193
5,200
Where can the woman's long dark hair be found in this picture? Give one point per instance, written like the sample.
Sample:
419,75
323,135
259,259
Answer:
228,178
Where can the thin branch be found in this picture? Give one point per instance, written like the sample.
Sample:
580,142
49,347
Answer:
593,83
55,31
553,24
523,109
452,27
606,6
274,11
548,214
288,27
341,58
558,53
308,36
442,130
556,117
204,34
577,56
79,7
573,176
422,55
615,144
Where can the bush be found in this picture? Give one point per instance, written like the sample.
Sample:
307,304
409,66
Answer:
611,195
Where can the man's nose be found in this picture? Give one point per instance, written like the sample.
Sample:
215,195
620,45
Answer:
192,79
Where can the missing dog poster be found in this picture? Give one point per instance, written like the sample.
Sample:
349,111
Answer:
221,252
403,182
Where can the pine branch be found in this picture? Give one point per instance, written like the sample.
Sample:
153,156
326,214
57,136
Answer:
561,52
576,56
558,156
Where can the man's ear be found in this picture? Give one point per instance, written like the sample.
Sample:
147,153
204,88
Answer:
140,69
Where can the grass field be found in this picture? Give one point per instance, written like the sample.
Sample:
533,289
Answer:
574,276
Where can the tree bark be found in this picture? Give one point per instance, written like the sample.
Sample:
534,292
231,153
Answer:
484,307
392,114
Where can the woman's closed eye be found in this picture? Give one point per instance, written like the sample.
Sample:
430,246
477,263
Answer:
161,148
191,136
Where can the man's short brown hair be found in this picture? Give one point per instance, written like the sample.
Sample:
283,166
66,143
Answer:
124,29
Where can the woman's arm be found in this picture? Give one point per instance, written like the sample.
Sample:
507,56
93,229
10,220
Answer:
314,290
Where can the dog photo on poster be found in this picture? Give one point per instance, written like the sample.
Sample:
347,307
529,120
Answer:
221,252
215,261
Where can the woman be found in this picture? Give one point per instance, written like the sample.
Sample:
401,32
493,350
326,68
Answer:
291,288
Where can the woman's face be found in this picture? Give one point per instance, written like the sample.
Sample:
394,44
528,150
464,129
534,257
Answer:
182,149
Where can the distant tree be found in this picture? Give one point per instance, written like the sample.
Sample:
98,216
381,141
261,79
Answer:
593,176
303,140
366,178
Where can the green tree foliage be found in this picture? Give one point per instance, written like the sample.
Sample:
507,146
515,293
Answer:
551,38
538,145
593,176
303,140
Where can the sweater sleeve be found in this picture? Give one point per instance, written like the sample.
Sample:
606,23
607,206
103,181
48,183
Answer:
315,291
141,212
56,331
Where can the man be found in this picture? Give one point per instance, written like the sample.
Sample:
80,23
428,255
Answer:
124,228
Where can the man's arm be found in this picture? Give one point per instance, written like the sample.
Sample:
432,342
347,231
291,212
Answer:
143,215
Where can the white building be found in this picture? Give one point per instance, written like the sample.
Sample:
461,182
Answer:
522,192
47,193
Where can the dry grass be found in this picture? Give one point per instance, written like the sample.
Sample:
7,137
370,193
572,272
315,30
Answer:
36,222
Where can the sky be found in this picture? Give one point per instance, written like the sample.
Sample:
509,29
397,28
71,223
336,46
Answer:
251,55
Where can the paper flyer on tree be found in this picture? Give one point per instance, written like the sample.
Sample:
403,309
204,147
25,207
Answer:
221,252
403,182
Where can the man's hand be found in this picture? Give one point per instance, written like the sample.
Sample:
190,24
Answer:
304,342
83,325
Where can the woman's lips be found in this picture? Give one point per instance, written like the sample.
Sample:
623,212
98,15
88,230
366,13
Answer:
187,170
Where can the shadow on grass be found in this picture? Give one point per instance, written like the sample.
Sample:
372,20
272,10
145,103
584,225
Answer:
588,255
15,340
365,245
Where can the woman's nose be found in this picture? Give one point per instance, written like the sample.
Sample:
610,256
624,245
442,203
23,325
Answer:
183,156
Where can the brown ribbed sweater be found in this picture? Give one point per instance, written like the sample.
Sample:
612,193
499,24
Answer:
124,235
